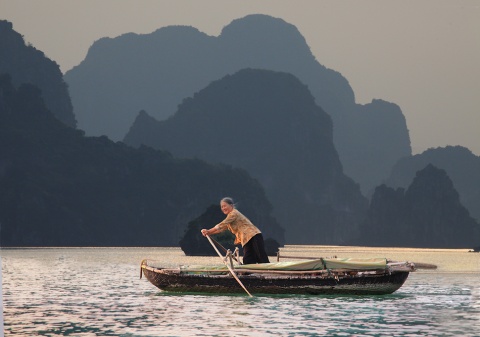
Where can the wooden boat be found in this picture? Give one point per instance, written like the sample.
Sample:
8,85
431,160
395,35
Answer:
309,276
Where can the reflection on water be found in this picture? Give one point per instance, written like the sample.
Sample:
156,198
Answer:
97,292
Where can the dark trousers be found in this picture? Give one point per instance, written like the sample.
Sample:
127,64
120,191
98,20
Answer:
254,251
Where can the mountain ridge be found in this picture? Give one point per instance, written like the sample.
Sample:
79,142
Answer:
26,64
157,79
427,214
461,165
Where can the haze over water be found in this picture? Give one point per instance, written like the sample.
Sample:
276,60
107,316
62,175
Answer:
97,292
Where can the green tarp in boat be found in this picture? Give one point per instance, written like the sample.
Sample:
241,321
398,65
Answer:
353,263
300,265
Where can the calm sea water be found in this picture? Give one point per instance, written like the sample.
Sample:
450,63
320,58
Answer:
97,292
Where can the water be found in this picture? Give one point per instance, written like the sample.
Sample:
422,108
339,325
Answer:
97,292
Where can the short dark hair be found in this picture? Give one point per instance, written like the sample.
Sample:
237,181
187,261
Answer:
228,200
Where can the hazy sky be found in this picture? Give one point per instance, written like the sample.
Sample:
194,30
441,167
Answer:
423,55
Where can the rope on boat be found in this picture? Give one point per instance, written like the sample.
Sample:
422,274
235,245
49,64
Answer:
236,257
230,258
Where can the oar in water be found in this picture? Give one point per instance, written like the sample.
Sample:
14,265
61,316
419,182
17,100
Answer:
229,268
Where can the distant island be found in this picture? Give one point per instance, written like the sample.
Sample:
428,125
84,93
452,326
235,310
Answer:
256,134
267,123
427,214
156,72
60,188
461,165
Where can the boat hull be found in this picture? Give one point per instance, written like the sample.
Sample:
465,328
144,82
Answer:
356,284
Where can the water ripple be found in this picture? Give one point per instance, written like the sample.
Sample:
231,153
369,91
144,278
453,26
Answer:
98,293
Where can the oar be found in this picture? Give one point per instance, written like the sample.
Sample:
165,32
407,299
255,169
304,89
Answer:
229,268
420,265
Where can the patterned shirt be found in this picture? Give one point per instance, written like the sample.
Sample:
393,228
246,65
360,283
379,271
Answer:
238,224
